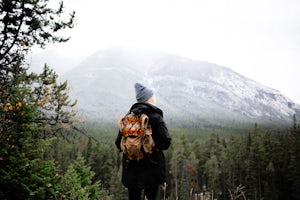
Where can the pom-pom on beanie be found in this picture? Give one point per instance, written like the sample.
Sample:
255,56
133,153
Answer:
142,93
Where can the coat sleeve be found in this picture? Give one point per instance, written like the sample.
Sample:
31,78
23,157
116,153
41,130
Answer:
161,134
118,141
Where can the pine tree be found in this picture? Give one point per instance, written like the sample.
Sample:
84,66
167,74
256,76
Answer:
177,165
23,119
101,161
293,173
77,183
25,24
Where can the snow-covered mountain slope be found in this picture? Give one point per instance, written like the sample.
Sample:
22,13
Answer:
190,92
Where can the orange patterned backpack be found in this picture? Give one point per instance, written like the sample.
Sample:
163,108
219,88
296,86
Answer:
137,138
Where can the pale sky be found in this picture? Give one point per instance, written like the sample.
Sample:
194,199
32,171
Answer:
259,39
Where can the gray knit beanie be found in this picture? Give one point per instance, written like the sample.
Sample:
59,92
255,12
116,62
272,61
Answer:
142,93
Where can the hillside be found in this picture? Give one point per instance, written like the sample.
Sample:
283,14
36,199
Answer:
190,92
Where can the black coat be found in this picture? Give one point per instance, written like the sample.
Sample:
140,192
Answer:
151,170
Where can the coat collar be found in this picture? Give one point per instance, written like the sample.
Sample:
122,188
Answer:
143,107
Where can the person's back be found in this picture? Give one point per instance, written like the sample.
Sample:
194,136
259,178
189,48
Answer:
148,173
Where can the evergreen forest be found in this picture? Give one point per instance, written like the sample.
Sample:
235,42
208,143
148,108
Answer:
47,152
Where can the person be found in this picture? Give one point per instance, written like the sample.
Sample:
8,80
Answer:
148,173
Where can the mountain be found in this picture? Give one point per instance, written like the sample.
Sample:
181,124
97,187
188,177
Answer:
190,92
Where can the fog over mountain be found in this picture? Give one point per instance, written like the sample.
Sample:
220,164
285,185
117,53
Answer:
190,92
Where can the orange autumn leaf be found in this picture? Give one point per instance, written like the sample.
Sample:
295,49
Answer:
10,107
19,104
41,103
5,108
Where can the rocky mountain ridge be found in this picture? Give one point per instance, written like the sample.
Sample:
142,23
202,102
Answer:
190,92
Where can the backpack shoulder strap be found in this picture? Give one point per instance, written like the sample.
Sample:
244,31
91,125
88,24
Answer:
144,121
